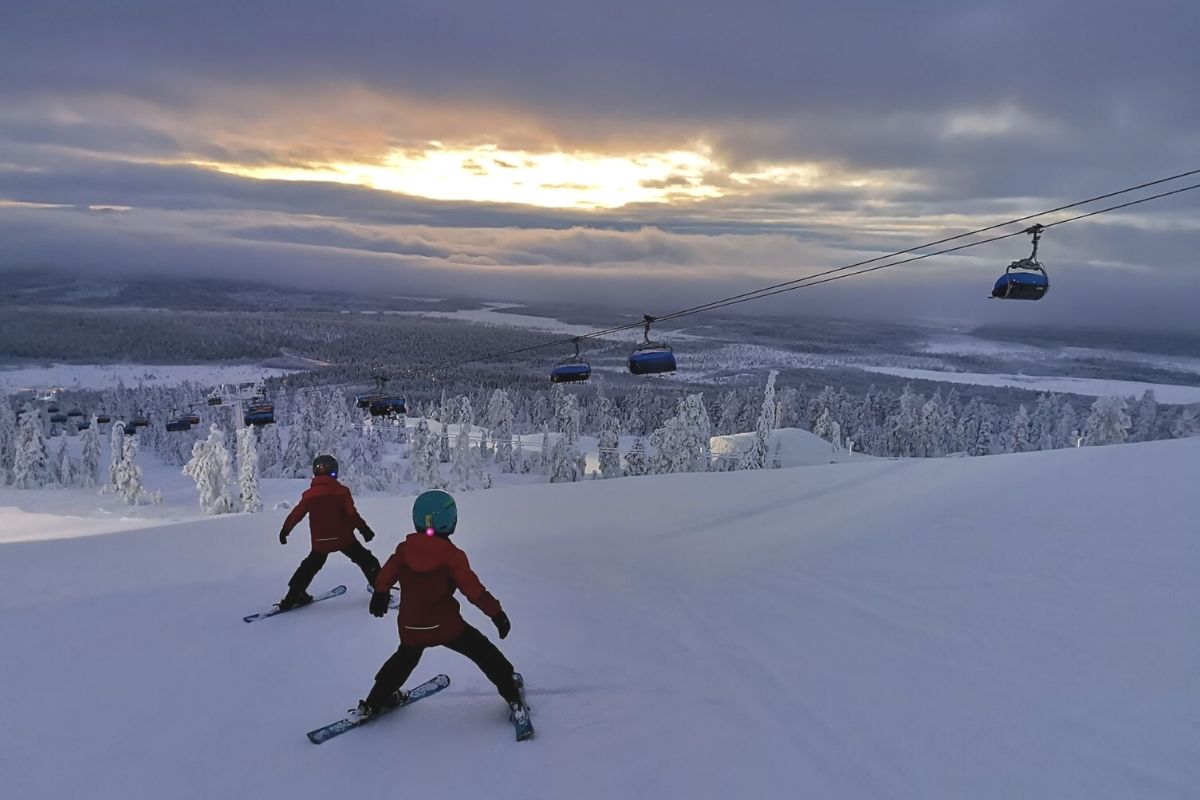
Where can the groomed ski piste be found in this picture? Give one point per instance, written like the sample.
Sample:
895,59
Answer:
997,627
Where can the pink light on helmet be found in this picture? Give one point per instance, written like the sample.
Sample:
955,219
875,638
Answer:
429,531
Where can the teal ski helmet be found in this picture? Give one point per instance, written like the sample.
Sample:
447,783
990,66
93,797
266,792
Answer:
434,512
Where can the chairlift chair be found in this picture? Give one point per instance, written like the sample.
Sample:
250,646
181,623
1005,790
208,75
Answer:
178,424
651,358
571,369
58,418
1026,278
192,419
260,414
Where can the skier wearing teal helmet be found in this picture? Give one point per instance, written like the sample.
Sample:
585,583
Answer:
430,569
435,511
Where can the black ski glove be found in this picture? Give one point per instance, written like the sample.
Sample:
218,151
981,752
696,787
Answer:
503,626
367,533
379,603
283,537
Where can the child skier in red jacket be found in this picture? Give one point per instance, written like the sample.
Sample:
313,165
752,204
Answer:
429,569
332,519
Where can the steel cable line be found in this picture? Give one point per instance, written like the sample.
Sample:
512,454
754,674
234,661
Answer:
837,273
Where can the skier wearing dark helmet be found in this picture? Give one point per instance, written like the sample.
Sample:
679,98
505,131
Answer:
332,519
429,569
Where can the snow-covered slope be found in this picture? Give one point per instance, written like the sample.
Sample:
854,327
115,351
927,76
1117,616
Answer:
1011,626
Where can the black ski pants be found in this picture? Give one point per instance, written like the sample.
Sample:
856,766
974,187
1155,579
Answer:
313,562
470,643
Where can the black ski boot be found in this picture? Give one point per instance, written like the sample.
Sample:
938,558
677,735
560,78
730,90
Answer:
294,599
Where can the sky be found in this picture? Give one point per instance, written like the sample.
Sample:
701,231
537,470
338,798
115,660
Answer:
642,155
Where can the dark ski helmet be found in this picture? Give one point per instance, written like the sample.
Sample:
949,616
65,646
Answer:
325,465
434,512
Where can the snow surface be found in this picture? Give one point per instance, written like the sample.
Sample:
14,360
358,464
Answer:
1092,387
100,376
1000,627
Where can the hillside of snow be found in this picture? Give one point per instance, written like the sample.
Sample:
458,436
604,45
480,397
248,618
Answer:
996,627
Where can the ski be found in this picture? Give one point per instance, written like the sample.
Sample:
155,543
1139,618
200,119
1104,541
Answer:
275,609
523,727
393,600
355,719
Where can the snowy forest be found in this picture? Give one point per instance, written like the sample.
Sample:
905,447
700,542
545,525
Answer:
467,440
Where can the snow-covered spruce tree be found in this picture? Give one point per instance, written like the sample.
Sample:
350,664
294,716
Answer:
1145,418
543,456
730,407
987,442
247,456
270,451
835,440
423,457
1187,424
904,432
304,438
210,468
637,461
823,424
1018,433
89,440
500,420
1108,423
31,467
756,456
609,445
65,469
1042,423
464,467
683,443
116,453
8,440
128,478
566,462
518,462
1067,429
443,444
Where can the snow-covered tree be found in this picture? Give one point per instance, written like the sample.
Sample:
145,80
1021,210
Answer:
127,480
730,410
247,455
8,440
465,469
65,468
1187,424
270,451
1145,418
304,437
500,420
1108,423
756,456
637,461
609,445
987,442
210,468
423,457
683,443
566,462
31,467
89,440
1018,440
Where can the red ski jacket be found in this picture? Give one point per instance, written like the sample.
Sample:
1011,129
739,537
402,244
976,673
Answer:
429,570
332,516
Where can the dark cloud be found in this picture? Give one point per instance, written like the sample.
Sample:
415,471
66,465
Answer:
924,118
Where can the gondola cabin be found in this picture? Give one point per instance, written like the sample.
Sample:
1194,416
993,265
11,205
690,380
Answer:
653,360
178,425
386,406
260,414
1026,278
570,372
1021,282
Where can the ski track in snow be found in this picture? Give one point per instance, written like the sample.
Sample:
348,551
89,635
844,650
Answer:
863,630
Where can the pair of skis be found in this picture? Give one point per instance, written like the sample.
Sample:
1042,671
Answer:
522,724
334,592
